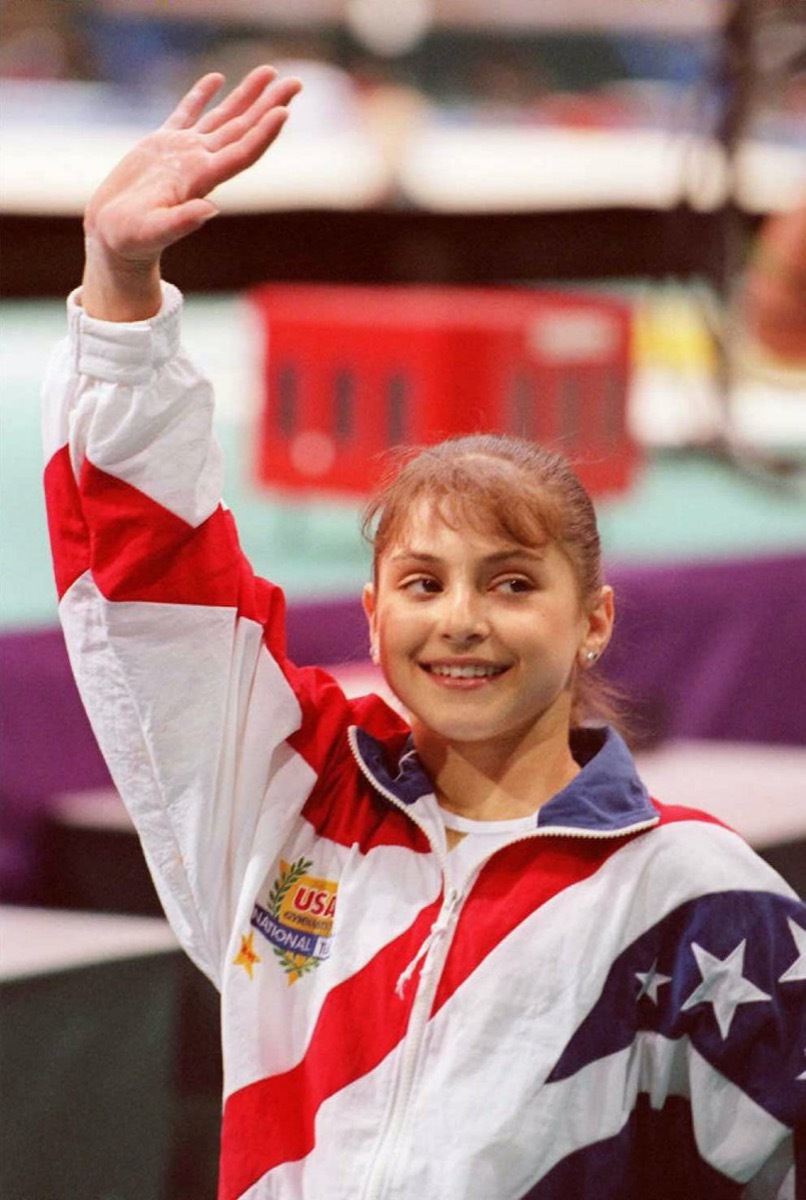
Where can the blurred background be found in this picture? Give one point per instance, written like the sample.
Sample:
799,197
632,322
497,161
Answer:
584,220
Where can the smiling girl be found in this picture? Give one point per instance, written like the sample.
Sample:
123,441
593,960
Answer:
485,609
461,955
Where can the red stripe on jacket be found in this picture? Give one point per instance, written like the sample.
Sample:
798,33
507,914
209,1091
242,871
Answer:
142,551
138,550
69,536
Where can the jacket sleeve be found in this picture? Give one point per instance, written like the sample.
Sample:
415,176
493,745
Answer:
728,986
166,626
700,1027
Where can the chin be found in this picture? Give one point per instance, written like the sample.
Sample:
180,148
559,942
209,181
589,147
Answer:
455,731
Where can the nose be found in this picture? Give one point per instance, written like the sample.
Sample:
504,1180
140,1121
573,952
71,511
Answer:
464,617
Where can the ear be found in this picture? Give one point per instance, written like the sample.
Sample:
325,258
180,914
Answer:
599,622
368,604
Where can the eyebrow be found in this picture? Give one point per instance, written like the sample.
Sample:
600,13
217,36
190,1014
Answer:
499,556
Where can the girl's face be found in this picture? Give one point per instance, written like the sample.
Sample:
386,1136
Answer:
479,636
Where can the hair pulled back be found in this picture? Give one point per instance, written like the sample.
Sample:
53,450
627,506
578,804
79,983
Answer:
510,486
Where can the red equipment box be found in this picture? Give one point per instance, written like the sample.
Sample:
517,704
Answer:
352,371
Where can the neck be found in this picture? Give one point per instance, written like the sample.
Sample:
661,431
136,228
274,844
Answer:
501,781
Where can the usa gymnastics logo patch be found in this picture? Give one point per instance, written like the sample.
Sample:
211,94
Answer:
298,918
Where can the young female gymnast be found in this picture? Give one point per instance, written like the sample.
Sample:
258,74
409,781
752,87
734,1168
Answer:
462,956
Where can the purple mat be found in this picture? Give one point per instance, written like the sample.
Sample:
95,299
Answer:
714,650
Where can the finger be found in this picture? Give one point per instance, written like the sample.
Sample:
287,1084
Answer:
248,149
276,97
193,103
239,99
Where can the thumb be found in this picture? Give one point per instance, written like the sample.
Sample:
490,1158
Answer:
186,218
165,226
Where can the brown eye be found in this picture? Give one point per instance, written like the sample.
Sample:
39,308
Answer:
422,585
515,585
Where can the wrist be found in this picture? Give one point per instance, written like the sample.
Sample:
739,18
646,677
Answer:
119,289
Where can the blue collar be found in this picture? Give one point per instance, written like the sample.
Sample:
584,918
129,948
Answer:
606,797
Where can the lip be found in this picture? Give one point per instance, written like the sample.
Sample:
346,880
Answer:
463,682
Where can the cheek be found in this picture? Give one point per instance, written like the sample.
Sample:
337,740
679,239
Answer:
554,633
395,628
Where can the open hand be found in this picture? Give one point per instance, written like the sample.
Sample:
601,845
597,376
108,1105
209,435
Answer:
157,193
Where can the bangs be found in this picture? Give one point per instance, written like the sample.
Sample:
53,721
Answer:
487,495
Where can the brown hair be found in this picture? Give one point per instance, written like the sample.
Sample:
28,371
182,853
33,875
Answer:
522,490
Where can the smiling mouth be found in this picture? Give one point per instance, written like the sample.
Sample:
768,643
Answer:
464,670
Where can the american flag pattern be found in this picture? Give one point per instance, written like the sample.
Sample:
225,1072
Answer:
611,1006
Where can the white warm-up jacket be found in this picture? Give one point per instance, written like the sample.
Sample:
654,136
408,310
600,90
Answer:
610,1007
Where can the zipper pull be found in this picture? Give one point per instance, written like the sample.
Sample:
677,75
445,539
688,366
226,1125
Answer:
438,929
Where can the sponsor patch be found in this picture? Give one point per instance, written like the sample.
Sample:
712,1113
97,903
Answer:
297,918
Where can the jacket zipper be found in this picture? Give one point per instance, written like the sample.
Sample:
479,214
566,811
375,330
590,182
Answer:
396,1111
437,943
394,1123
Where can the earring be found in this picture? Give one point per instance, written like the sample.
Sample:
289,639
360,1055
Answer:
373,651
591,656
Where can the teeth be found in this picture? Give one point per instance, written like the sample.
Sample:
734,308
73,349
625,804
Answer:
472,671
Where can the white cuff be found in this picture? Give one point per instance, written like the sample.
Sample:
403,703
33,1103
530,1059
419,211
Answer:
127,352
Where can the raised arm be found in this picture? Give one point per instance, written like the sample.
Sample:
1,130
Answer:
158,193
177,648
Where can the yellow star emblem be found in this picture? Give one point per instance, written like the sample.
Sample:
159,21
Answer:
247,956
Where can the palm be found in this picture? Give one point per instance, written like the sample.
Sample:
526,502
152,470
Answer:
156,194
